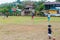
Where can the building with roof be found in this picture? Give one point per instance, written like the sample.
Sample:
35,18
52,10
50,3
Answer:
52,7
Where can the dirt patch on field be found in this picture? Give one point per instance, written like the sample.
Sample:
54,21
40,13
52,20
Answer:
28,31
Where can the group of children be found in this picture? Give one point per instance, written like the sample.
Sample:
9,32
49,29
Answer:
49,26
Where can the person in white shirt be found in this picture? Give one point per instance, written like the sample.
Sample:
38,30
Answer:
49,18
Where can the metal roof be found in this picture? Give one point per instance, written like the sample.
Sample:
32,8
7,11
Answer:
47,3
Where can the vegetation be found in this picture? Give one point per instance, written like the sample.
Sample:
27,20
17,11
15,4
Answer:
57,0
27,19
38,6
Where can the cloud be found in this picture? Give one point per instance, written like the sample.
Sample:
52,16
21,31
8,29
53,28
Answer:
51,0
6,1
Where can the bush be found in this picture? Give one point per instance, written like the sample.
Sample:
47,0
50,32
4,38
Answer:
41,14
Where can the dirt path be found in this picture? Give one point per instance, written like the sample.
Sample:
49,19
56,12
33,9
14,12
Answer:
27,32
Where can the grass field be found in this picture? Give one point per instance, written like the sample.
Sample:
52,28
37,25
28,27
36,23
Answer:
24,28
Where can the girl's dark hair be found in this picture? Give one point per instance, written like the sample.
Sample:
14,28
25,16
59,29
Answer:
48,13
49,25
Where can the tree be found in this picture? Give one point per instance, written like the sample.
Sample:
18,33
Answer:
5,9
20,6
57,0
39,6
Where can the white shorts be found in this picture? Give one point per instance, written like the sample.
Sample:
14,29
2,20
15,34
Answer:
49,34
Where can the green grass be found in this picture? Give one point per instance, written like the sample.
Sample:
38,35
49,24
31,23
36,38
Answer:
26,19
10,30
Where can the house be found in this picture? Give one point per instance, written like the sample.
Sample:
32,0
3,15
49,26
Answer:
52,7
28,7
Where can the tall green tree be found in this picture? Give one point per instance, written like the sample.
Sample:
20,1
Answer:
57,0
20,6
39,6
5,9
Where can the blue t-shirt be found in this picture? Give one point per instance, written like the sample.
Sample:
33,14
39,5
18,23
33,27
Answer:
48,15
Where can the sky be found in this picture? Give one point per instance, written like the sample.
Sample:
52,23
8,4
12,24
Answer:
8,1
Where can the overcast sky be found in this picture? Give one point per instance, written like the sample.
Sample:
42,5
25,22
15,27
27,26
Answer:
8,1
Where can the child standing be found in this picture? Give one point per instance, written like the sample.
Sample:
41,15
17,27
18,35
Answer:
49,18
33,13
49,31
7,14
